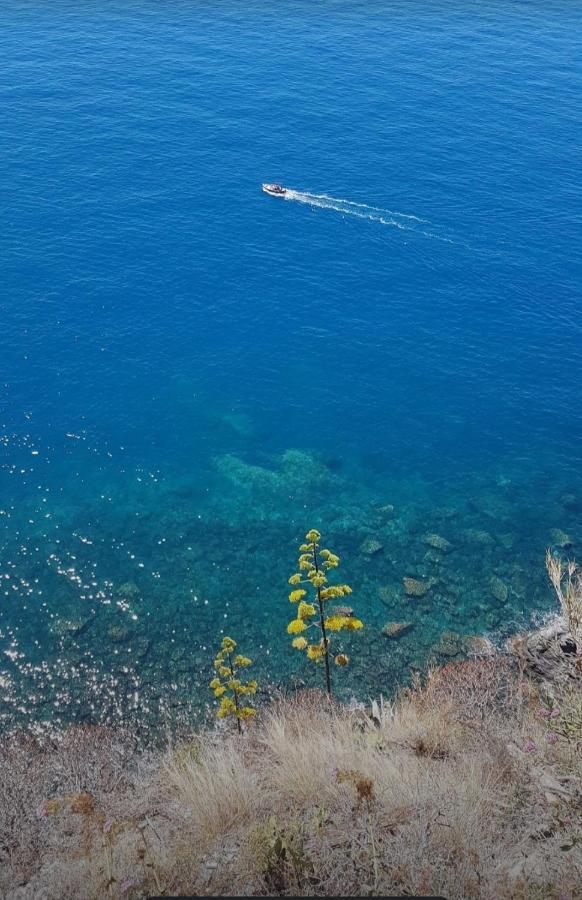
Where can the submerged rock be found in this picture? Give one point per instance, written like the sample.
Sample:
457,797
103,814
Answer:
445,512
341,611
396,629
571,501
507,541
371,546
491,505
498,589
63,627
141,647
414,587
128,590
449,644
478,536
560,538
117,633
387,594
477,645
437,542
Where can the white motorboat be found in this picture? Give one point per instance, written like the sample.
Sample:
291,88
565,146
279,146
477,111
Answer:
275,190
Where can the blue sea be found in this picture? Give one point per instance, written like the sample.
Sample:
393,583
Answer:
194,373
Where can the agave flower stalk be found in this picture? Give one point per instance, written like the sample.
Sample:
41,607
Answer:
315,563
228,687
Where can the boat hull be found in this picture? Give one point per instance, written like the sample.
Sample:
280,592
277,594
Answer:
274,191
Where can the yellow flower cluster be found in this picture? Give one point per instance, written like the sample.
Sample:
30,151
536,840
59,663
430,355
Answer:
305,610
330,560
313,563
227,687
241,662
296,626
343,623
300,643
316,651
335,590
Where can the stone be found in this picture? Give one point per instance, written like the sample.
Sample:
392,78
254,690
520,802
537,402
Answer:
141,648
437,542
445,512
571,502
387,594
449,644
414,587
396,629
478,536
341,611
177,653
117,633
63,627
491,505
128,590
498,589
560,538
182,665
477,645
371,546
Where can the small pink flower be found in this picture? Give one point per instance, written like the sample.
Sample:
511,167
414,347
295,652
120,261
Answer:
108,825
529,747
551,737
555,712
126,885
544,713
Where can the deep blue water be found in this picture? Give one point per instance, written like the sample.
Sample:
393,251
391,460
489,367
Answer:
414,332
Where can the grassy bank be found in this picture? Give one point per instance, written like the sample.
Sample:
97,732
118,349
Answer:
468,786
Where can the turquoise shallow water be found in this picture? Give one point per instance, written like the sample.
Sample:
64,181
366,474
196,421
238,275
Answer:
194,373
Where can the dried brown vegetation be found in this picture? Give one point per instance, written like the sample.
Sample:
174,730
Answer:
566,578
467,787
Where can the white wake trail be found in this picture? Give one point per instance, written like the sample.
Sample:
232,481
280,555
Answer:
345,207
353,204
364,211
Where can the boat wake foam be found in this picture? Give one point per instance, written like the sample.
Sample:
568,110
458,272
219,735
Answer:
379,214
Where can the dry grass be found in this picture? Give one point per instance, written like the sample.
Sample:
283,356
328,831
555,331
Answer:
566,580
455,790
216,784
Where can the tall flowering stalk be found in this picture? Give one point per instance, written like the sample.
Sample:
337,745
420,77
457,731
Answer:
314,563
228,687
